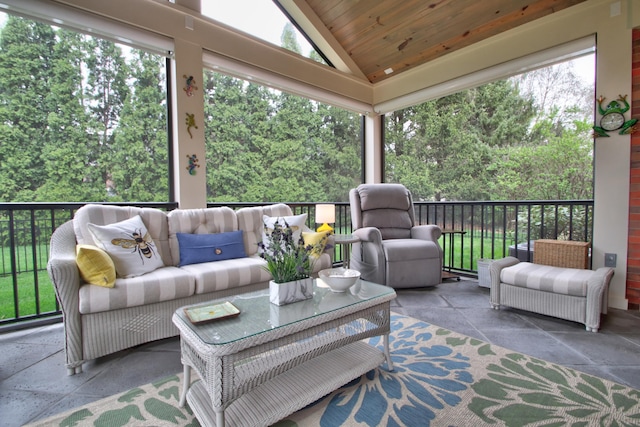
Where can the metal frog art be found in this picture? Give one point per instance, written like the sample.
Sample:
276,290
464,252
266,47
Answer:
613,118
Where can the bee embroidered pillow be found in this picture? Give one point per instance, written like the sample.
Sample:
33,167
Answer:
129,245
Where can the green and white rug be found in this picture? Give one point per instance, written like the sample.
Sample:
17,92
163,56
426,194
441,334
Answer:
441,378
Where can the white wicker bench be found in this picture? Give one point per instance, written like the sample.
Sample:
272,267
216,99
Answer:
574,294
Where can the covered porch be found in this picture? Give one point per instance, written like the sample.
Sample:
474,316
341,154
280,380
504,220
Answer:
34,346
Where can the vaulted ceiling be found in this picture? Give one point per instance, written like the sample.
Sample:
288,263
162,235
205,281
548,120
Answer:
382,38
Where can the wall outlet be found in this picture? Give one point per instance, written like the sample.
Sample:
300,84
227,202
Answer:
610,260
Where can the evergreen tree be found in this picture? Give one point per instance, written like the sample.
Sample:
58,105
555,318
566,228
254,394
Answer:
26,52
443,149
64,152
107,90
138,163
237,116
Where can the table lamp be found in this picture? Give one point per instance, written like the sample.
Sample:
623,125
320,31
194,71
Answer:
325,214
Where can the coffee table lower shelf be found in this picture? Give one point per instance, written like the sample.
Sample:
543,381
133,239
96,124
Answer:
292,390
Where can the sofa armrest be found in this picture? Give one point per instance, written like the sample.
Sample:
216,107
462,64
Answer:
495,268
65,276
598,296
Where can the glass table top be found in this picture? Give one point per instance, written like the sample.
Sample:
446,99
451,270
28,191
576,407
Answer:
258,314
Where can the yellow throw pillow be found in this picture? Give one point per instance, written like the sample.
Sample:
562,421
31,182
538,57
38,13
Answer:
317,241
96,266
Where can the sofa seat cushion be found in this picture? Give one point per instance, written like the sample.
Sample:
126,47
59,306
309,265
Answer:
559,280
409,249
230,273
163,284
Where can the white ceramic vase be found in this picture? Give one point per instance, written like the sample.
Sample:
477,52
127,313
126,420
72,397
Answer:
288,292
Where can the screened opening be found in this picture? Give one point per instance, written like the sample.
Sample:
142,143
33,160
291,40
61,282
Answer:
81,118
527,137
264,145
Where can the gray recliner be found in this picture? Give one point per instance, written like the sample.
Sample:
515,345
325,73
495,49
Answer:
393,251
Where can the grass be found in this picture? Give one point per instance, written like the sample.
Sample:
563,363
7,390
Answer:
464,247
26,295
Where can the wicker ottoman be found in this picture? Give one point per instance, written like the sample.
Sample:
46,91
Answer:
575,294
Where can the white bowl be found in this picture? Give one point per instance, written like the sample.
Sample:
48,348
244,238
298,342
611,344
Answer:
339,279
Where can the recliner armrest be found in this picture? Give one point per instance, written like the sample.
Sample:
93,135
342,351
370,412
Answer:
369,234
426,232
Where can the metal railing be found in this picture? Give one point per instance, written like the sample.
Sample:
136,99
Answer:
483,230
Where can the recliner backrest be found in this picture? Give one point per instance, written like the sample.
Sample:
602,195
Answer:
388,207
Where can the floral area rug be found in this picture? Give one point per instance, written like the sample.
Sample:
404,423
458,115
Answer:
441,378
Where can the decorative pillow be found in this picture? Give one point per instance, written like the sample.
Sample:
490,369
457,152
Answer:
96,266
197,248
317,241
295,222
129,245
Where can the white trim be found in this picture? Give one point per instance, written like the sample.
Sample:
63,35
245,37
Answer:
545,58
226,65
64,16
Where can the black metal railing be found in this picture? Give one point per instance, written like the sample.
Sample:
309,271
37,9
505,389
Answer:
481,230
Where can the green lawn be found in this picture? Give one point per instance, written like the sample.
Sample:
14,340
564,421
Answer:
463,248
26,295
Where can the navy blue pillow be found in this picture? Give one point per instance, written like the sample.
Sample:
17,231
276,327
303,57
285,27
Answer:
197,248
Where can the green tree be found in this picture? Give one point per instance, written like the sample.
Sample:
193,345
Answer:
138,162
237,116
64,152
26,52
566,160
107,91
442,149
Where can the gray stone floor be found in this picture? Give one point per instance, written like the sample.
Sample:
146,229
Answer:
34,384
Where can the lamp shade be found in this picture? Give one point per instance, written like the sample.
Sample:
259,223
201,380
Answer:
325,213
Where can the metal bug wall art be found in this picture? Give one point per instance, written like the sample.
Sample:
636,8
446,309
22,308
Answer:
193,164
190,121
190,85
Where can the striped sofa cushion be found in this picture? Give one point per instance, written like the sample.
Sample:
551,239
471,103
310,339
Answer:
164,284
198,221
559,280
250,222
154,219
217,275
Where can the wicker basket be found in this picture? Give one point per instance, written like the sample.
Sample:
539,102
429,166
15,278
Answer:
562,253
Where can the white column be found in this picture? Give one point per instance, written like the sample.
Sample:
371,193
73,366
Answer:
188,137
373,149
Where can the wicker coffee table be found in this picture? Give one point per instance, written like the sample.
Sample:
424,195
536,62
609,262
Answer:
271,361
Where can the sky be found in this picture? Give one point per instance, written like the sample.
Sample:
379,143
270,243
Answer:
260,18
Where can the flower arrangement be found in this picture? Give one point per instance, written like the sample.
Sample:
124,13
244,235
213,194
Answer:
287,260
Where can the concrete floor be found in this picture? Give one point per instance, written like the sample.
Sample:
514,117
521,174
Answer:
34,384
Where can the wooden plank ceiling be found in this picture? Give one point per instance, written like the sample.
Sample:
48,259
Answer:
398,35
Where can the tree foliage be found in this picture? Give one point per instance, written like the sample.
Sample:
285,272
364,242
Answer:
494,142
80,120
84,119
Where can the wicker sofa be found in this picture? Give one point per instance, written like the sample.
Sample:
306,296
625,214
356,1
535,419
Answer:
575,294
101,320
